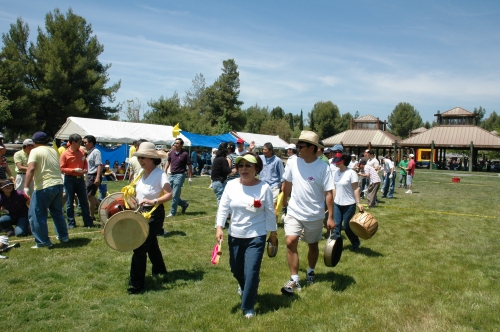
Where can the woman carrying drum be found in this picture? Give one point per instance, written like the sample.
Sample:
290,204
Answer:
152,191
345,197
250,203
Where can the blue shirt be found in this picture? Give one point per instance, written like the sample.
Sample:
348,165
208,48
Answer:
272,172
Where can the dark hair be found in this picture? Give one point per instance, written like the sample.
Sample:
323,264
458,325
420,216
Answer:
91,139
221,150
259,166
156,161
362,161
269,146
347,159
231,147
309,145
180,140
74,138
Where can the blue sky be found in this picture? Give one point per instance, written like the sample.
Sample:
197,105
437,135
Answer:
363,55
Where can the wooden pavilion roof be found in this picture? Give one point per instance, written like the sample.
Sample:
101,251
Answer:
361,137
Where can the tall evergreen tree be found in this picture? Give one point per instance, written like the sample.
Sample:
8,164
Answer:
62,73
403,119
301,121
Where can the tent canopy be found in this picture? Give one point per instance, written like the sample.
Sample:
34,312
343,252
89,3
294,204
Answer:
208,141
107,131
261,139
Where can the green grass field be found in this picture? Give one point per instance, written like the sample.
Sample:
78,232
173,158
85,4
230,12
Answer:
433,265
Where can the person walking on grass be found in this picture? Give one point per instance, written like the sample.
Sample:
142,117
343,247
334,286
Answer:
312,183
44,169
389,178
249,201
411,173
272,171
371,174
178,160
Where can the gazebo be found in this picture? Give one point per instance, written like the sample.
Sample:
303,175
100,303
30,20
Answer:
366,132
456,129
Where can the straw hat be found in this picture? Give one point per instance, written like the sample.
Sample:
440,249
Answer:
308,137
126,231
148,150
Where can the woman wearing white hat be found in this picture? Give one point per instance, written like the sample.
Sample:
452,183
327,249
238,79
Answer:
152,190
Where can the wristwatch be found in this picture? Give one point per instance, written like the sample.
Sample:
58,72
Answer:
156,201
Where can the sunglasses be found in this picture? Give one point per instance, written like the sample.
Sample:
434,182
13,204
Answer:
301,146
244,165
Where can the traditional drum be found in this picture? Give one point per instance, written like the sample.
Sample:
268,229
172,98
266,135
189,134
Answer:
333,250
110,205
364,225
126,230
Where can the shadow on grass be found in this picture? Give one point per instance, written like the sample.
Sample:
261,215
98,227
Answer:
269,302
73,243
175,233
176,278
194,214
340,282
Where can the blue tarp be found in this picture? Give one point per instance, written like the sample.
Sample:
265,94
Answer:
208,141
120,153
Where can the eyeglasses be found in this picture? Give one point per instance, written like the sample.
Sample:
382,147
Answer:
301,146
244,165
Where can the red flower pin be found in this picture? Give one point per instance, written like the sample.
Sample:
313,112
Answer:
256,203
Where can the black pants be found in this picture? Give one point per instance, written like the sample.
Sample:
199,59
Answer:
148,248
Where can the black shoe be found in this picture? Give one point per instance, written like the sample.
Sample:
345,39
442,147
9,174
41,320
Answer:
135,290
185,207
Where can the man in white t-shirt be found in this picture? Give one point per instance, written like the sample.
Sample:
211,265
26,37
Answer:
312,185
389,178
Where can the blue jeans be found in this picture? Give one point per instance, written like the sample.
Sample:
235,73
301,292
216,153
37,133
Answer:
343,214
402,180
76,185
22,224
218,188
176,182
41,200
389,186
245,258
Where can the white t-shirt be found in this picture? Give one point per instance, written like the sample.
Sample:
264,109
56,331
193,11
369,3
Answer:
388,164
241,153
151,187
344,195
247,221
353,164
310,181
373,163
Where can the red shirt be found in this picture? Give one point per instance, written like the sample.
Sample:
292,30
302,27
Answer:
70,160
411,167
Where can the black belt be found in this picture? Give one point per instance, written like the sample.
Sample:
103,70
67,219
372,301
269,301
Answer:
21,173
76,176
177,173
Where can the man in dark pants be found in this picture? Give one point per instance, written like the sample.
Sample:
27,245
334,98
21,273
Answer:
94,174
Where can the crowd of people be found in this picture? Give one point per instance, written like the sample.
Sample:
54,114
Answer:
321,187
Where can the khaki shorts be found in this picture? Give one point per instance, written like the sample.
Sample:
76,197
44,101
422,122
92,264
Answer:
313,230
276,192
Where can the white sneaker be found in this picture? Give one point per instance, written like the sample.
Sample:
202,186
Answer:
290,287
408,192
240,292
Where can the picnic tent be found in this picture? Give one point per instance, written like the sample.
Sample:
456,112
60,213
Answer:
261,139
107,131
208,141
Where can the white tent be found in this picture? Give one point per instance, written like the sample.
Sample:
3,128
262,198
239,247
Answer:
261,139
107,131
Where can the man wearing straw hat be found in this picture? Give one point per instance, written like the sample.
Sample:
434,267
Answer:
312,184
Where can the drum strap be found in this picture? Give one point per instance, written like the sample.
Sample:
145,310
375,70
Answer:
129,191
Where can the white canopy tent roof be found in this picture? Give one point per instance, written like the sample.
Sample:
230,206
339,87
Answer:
108,131
261,139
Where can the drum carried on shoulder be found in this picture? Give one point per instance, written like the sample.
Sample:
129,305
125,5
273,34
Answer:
124,228
364,225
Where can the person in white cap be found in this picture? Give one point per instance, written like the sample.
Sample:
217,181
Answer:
21,162
353,164
312,184
410,173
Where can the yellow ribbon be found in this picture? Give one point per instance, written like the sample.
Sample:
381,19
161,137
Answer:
129,191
